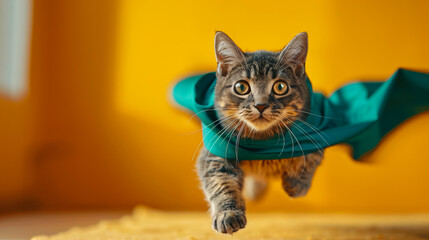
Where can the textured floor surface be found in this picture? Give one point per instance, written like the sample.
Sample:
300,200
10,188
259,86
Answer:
25,224
150,224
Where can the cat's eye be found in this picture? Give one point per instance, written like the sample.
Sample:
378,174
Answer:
280,88
242,87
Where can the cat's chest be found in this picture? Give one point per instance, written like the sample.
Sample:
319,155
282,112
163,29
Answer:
268,168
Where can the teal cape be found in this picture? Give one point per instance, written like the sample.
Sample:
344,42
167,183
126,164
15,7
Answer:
358,114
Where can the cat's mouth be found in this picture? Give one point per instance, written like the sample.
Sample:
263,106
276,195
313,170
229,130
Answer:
260,118
260,123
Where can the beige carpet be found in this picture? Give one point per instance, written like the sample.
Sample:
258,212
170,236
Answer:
151,224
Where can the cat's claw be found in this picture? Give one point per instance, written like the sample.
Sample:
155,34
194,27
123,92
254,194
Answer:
229,221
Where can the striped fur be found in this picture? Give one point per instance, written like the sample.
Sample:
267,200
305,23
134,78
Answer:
223,181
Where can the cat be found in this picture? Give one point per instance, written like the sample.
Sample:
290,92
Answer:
258,95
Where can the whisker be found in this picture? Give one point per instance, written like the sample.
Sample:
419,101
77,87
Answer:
291,139
298,145
220,120
220,134
202,141
316,130
234,122
252,130
284,141
227,144
237,143
210,109
318,146
278,135
313,114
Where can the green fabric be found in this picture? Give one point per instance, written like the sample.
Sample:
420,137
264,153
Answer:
358,114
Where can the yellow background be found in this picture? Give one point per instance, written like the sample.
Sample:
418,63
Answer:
96,128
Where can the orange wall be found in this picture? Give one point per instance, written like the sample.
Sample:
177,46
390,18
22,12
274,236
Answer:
108,137
16,145
159,43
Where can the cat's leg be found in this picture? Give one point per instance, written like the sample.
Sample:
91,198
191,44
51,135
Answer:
222,182
297,177
254,187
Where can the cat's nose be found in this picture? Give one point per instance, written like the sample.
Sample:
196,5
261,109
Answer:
261,107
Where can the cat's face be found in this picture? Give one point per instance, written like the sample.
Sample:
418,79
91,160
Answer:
262,93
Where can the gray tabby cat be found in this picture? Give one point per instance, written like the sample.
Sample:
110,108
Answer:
258,95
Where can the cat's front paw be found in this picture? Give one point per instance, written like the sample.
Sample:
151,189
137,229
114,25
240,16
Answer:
295,187
229,221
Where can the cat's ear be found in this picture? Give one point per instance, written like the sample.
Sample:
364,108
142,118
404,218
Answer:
295,53
228,54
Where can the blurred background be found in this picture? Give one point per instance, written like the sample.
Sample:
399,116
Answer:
86,120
